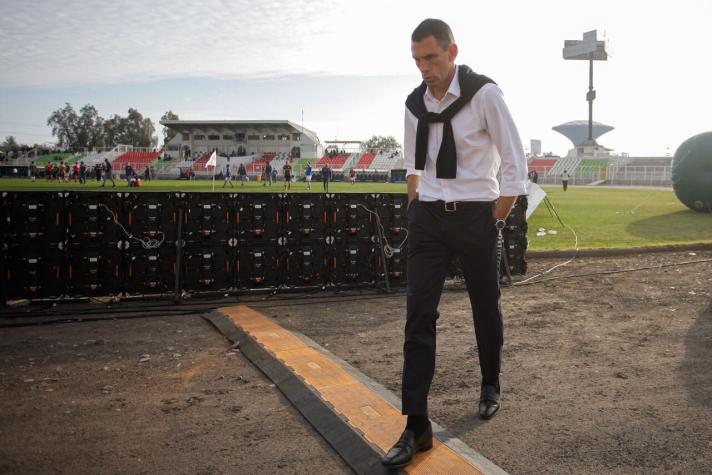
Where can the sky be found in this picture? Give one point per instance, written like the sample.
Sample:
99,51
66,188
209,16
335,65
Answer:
343,68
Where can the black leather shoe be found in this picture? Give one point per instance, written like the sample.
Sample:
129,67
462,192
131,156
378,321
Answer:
402,453
489,401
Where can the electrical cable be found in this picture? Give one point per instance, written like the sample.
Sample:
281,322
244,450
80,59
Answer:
614,271
387,248
576,248
642,202
146,242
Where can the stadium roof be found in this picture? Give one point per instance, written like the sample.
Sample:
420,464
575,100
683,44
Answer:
577,130
241,126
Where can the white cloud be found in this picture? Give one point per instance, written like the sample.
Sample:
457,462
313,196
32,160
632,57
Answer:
77,42
654,89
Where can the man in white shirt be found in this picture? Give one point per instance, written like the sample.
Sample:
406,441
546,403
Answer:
458,135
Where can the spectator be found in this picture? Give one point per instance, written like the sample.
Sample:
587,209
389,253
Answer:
82,173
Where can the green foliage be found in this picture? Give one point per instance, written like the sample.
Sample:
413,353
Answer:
64,125
10,144
133,129
89,130
378,142
168,134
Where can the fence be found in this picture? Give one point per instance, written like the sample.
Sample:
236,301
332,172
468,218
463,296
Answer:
614,175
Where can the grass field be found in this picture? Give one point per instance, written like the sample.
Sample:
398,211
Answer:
601,217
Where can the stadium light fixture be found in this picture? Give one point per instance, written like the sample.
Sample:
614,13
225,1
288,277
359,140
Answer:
591,49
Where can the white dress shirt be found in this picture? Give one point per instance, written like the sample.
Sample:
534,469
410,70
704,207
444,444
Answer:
486,140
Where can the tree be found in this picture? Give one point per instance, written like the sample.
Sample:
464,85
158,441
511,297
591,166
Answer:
10,144
64,125
168,134
90,128
378,142
131,130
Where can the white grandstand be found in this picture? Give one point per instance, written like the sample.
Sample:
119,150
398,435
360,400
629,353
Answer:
242,137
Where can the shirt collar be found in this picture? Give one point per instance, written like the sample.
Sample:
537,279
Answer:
453,90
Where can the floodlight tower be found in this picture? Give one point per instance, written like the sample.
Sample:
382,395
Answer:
592,50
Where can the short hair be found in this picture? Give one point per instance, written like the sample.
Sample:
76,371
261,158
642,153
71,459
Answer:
436,28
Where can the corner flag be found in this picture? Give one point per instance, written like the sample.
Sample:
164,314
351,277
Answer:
213,160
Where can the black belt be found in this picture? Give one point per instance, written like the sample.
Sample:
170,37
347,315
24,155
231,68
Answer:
452,206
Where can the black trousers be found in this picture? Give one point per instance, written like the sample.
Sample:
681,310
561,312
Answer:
435,236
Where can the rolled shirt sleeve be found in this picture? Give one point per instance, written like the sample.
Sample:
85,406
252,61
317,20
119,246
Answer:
505,137
410,126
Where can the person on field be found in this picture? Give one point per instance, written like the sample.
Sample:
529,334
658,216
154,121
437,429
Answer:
326,177
227,178
308,175
268,175
242,174
82,173
459,135
107,173
287,172
565,180
352,176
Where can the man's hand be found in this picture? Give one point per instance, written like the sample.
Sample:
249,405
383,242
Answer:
413,182
504,206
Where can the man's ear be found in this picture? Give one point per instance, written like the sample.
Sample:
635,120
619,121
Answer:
452,51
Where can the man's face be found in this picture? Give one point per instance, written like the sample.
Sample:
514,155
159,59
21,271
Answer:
436,64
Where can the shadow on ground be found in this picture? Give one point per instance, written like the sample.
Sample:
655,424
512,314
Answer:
679,226
697,364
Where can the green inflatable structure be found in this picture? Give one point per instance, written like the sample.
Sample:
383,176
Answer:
692,173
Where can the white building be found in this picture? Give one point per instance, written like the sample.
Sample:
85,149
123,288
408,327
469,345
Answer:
242,137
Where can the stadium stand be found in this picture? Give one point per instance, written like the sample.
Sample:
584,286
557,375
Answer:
541,165
568,163
43,160
649,161
385,161
258,165
138,160
365,161
592,164
199,164
337,162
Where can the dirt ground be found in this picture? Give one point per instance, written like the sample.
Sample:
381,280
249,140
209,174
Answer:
601,374
161,395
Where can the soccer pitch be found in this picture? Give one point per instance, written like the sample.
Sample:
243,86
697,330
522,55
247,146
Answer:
601,217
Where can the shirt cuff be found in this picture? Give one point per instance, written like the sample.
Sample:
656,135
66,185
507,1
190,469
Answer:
513,188
413,171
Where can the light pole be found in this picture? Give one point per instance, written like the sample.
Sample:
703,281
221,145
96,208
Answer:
592,50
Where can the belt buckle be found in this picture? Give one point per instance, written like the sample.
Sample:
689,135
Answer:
450,206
